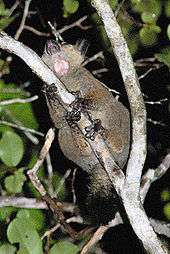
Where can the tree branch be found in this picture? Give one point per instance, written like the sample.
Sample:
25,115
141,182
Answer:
22,202
77,23
21,27
36,64
18,100
22,128
130,190
35,31
161,227
154,174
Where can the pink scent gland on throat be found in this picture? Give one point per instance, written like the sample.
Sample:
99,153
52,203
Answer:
61,67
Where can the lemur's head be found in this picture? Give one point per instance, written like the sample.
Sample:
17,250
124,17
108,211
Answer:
63,58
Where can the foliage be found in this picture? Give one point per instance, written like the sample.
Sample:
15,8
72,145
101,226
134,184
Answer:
5,20
164,56
70,7
11,148
7,249
64,247
21,230
165,195
140,24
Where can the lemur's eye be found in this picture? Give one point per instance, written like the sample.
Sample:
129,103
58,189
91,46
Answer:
52,47
82,45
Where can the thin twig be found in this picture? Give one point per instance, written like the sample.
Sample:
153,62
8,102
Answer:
14,6
22,128
148,62
153,175
21,27
56,208
53,203
161,227
147,59
32,173
75,219
97,236
29,135
93,58
145,74
156,122
49,165
119,7
98,72
77,23
62,181
52,230
18,100
35,31
72,185
156,102
50,175
22,202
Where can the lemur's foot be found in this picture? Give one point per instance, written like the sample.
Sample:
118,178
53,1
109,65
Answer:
78,106
50,92
93,129
73,117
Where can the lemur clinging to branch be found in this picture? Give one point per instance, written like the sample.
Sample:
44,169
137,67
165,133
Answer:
95,193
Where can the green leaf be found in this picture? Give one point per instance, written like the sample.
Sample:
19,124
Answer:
152,6
4,128
64,247
56,180
164,56
147,36
36,217
167,8
10,90
11,148
3,11
165,195
167,211
21,231
24,114
155,28
7,249
4,67
148,17
70,7
6,212
168,31
14,183
113,4
136,1
4,22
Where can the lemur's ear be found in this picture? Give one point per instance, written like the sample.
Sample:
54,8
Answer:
82,45
52,47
